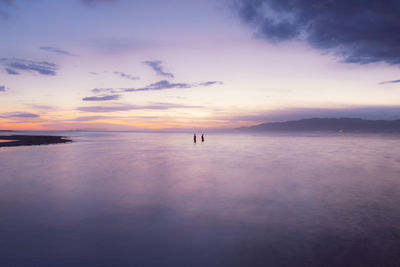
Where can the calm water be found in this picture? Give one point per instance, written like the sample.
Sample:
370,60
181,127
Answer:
157,199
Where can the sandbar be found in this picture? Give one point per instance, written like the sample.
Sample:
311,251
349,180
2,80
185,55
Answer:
31,140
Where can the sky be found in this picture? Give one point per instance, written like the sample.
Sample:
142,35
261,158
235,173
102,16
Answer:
195,64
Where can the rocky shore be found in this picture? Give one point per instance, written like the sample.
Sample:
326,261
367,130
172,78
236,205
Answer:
31,140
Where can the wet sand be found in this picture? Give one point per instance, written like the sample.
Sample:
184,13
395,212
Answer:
31,140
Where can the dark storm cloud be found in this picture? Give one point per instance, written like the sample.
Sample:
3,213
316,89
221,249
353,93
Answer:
56,50
102,98
41,67
386,82
126,107
2,88
156,65
11,71
126,76
19,115
359,31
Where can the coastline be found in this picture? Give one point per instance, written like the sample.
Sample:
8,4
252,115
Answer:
31,140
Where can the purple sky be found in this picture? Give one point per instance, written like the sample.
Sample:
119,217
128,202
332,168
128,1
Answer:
120,65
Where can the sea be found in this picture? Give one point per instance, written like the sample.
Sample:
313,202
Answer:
126,199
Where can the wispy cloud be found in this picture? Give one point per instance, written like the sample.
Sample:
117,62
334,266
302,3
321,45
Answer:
104,109
156,65
19,115
92,118
5,4
164,84
11,71
104,90
40,67
96,118
56,50
93,2
2,88
3,14
210,83
102,98
161,85
386,82
162,105
43,107
127,76
127,107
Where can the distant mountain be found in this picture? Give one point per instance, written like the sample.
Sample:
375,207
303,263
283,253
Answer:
331,125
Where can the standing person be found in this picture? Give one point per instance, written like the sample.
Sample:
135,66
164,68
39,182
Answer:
194,138
202,137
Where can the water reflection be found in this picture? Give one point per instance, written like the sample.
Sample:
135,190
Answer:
133,199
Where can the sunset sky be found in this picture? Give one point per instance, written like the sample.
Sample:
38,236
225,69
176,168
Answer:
156,64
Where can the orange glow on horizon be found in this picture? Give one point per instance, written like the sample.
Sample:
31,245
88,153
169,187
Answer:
158,124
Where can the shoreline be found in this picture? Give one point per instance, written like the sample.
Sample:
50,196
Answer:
31,140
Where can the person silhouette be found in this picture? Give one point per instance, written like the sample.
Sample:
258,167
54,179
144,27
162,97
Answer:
194,138
202,137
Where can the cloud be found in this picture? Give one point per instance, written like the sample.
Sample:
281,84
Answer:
93,2
3,15
11,71
126,107
19,115
2,88
102,98
358,31
161,85
107,108
210,83
103,90
42,107
119,46
94,73
127,76
41,67
92,118
386,82
164,84
5,4
56,50
161,105
156,65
